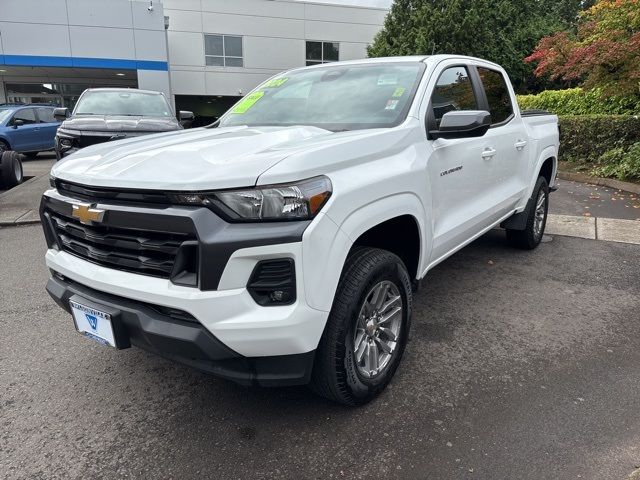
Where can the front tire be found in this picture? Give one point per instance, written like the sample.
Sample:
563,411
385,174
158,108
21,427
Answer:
367,329
531,236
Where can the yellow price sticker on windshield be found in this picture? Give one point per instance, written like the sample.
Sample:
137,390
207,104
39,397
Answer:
247,102
398,92
276,82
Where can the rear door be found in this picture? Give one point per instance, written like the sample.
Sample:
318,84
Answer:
48,127
459,173
508,137
25,137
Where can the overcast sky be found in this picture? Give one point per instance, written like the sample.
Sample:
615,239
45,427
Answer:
368,3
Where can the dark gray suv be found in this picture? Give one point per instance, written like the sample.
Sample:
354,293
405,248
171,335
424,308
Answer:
105,114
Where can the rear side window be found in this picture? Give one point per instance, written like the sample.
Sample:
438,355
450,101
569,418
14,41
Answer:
27,116
45,115
497,93
453,91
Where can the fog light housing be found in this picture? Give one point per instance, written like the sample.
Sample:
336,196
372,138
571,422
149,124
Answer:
273,282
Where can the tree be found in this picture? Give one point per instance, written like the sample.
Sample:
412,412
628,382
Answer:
503,31
604,53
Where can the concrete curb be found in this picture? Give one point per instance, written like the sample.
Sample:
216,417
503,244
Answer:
19,223
604,182
594,228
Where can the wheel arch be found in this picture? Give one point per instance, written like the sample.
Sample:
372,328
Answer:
5,140
395,223
333,238
547,166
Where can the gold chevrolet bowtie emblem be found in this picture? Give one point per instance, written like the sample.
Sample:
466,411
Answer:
86,214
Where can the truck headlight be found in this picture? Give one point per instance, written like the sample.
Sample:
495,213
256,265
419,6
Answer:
65,141
294,201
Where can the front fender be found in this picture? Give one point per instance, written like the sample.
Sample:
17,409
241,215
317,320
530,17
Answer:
327,244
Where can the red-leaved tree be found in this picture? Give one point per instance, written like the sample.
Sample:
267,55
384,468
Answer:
604,53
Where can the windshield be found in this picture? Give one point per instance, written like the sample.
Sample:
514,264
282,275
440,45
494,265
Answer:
5,113
341,97
122,103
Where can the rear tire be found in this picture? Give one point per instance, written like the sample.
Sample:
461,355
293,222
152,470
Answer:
10,169
367,329
531,236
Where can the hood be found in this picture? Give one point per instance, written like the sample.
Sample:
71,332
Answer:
188,160
120,123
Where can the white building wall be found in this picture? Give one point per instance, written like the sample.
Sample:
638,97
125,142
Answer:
274,39
109,34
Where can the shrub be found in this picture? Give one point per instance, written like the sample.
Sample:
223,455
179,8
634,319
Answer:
621,163
576,101
586,138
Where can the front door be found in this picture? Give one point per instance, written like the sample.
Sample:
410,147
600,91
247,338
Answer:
458,169
24,135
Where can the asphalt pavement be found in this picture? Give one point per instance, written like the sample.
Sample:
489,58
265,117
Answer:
521,365
589,200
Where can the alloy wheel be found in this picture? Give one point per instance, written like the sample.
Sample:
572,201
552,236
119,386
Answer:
540,214
378,330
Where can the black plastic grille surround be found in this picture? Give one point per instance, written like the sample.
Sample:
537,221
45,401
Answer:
189,245
148,253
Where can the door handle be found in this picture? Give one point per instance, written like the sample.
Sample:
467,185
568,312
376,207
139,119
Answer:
489,153
520,144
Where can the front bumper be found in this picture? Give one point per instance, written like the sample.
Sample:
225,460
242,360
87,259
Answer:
220,305
181,338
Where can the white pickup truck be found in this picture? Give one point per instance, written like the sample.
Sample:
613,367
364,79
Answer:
281,245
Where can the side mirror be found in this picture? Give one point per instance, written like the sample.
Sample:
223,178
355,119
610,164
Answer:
17,123
60,113
186,118
462,124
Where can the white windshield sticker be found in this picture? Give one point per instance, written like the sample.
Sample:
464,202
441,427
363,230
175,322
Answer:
391,105
388,79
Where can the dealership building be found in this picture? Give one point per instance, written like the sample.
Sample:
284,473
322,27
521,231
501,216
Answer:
203,54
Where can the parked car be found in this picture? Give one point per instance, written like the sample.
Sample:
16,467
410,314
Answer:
27,129
106,114
283,246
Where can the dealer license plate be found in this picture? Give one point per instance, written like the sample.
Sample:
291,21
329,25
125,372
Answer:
93,323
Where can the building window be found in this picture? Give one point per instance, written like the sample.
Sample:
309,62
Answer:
223,50
322,52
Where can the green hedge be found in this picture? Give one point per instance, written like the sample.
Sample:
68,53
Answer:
586,138
609,143
576,101
621,163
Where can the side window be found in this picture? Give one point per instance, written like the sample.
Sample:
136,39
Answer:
497,93
27,116
45,115
453,91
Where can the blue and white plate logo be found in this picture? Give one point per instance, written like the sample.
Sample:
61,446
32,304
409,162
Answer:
93,321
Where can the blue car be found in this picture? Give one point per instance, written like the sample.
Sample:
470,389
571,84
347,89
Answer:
27,129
